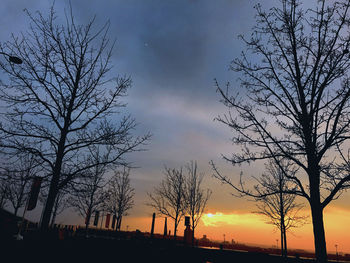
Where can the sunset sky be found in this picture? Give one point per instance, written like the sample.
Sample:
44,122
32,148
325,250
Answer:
173,50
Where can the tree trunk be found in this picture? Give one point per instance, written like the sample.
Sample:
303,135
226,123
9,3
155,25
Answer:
2,201
50,201
282,240
282,224
119,222
175,228
283,237
56,172
16,211
54,213
116,222
192,236
317,215
175,225
88,217
285,241
53,219
319,233
87,222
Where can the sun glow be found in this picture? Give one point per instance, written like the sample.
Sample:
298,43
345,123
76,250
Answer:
219,219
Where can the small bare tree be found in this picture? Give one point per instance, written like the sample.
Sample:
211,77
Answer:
168,198
195,198
120,196
60,100
19,177
88,197
276,200
88,194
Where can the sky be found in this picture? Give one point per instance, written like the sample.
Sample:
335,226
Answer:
173,51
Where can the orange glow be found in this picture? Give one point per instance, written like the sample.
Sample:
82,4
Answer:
249,228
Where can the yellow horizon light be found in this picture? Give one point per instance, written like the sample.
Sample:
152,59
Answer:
220,219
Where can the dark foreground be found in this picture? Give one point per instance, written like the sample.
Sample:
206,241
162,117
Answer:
73,245
112,250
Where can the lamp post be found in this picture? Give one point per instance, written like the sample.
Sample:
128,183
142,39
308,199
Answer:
12,59
336,251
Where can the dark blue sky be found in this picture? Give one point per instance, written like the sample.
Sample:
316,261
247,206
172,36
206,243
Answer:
172,50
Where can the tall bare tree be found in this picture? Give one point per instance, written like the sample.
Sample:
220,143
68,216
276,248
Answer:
120,195
196,198
168,198
61,100
275,201
295,103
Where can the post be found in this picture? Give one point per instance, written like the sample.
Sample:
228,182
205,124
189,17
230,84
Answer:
153,219
188,231
165,228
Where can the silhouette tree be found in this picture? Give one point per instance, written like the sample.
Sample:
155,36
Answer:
89,195
295,103
275,201
20,173
195,197
168,198
120,196
62,98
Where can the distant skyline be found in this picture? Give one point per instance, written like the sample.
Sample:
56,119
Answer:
173,51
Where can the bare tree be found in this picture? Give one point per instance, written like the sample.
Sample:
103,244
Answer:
120,196
61,99
196,198
295,103
89,194
20,173
275,201
88,197
168,198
